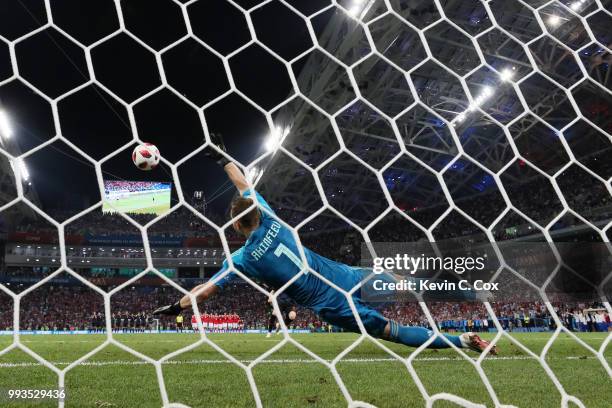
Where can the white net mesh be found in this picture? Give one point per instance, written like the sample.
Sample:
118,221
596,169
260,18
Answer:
547,34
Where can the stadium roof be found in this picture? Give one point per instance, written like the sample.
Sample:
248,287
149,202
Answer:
477,108
370,136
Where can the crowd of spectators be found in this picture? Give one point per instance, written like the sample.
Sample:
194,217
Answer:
177,224
87,253
71,307
57,307
121,185
527,316
534,197
180,223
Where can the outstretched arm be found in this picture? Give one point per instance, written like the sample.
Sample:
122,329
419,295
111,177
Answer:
233,172
235,175
201,292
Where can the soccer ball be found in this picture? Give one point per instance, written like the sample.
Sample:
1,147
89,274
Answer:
292,315
145,156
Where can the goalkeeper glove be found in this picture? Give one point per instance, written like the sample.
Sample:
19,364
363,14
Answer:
217,140
170,310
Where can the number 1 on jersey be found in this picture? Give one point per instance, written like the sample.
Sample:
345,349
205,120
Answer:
282,249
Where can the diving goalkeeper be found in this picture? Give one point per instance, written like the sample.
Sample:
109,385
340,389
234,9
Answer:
270,255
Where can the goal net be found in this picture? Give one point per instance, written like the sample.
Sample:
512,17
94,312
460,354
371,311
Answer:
474,121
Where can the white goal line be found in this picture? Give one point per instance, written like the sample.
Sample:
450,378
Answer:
280,361
272,340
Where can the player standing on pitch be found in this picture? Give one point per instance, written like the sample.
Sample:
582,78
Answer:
270,255
273,320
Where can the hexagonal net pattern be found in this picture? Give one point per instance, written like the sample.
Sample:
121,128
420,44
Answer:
544,48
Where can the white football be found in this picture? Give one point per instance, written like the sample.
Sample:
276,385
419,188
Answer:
292,315
146,156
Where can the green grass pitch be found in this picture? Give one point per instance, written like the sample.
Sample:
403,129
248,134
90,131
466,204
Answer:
290,378
154,202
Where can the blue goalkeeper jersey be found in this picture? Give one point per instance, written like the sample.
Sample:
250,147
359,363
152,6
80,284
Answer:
270,255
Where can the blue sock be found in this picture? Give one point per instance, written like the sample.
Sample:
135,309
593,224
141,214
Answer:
416,336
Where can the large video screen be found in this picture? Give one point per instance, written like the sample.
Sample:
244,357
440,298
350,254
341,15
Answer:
140,197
